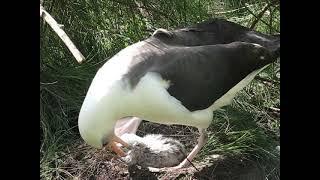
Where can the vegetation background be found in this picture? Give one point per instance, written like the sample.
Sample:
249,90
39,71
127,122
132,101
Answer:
246,133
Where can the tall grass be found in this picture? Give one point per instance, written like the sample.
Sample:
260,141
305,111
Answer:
103,27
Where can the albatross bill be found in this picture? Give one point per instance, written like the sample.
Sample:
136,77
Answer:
112,145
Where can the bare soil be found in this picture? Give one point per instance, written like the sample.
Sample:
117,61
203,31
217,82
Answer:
87,163
83,162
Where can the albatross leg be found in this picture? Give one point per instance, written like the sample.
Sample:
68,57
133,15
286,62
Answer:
201,142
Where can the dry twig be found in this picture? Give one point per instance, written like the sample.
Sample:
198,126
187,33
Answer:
64,37
259,18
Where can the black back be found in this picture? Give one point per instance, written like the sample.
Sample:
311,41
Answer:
217,31
203,62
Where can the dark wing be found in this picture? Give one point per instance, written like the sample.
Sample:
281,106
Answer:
202,74
217,31
203,61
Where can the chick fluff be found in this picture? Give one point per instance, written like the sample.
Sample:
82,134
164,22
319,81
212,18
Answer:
153,150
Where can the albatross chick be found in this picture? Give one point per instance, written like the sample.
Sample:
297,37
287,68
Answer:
153,150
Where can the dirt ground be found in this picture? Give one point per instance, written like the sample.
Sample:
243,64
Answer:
83,162
87,163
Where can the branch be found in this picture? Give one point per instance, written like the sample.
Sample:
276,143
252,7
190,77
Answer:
274,111
159,12
146,8
144,13
64,37
260,18
234,10
271,14
266,80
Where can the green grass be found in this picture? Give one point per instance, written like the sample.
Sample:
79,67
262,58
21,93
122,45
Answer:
101,28
247,128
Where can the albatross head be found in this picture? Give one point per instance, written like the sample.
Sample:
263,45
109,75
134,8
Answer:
100,111
96,125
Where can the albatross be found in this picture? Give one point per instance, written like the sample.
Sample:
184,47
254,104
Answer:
173,77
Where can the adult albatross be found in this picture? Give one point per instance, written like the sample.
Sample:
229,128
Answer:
173,77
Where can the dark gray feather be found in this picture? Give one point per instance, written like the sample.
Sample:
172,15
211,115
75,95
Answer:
204,61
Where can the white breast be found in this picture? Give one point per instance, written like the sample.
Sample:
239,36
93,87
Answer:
151,101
